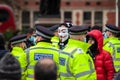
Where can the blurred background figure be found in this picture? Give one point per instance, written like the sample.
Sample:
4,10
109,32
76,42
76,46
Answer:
45,69
9,68
2,45
2,42
6,19
97,28
30,32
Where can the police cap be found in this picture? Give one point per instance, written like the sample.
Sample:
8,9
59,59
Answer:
18,39
112,28
54,27
78,30
68,25
44,32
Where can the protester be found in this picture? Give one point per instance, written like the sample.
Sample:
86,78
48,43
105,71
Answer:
31,41
102,59
73,57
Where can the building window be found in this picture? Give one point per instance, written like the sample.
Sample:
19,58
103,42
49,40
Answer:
87,18
36,15
25,18
98,18
67,16
91,18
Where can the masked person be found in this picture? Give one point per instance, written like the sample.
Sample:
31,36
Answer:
102,59
73,60
112,44
18,46
31,40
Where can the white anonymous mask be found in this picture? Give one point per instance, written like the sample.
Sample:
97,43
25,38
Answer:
63,33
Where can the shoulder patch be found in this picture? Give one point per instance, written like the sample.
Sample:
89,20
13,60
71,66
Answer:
80,50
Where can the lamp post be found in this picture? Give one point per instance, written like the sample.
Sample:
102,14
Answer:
117,13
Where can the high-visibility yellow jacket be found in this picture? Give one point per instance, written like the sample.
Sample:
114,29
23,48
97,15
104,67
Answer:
41,50
55,41
113,47
75,63
20,54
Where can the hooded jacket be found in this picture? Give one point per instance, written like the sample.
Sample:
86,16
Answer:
102,59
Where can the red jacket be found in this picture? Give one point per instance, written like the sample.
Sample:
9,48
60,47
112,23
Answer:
103,60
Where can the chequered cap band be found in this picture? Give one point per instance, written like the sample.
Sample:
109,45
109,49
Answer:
18,41
78,33
111,30
43,35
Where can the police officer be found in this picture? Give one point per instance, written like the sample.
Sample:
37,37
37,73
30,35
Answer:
18,46
55,38
79,32
74,63
112,44
43,49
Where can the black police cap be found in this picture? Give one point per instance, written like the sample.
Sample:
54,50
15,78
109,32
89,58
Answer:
112,28
78,30
54,27
44,32
18,39
68,25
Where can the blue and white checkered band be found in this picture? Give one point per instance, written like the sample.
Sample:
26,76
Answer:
111,30
43,35
62,61
78,33
118,50
38,56
18,41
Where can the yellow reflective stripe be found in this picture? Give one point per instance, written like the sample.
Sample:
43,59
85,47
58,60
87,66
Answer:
30,76
84,73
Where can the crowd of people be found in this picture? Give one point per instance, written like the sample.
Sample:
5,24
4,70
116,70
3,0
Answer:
62,52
